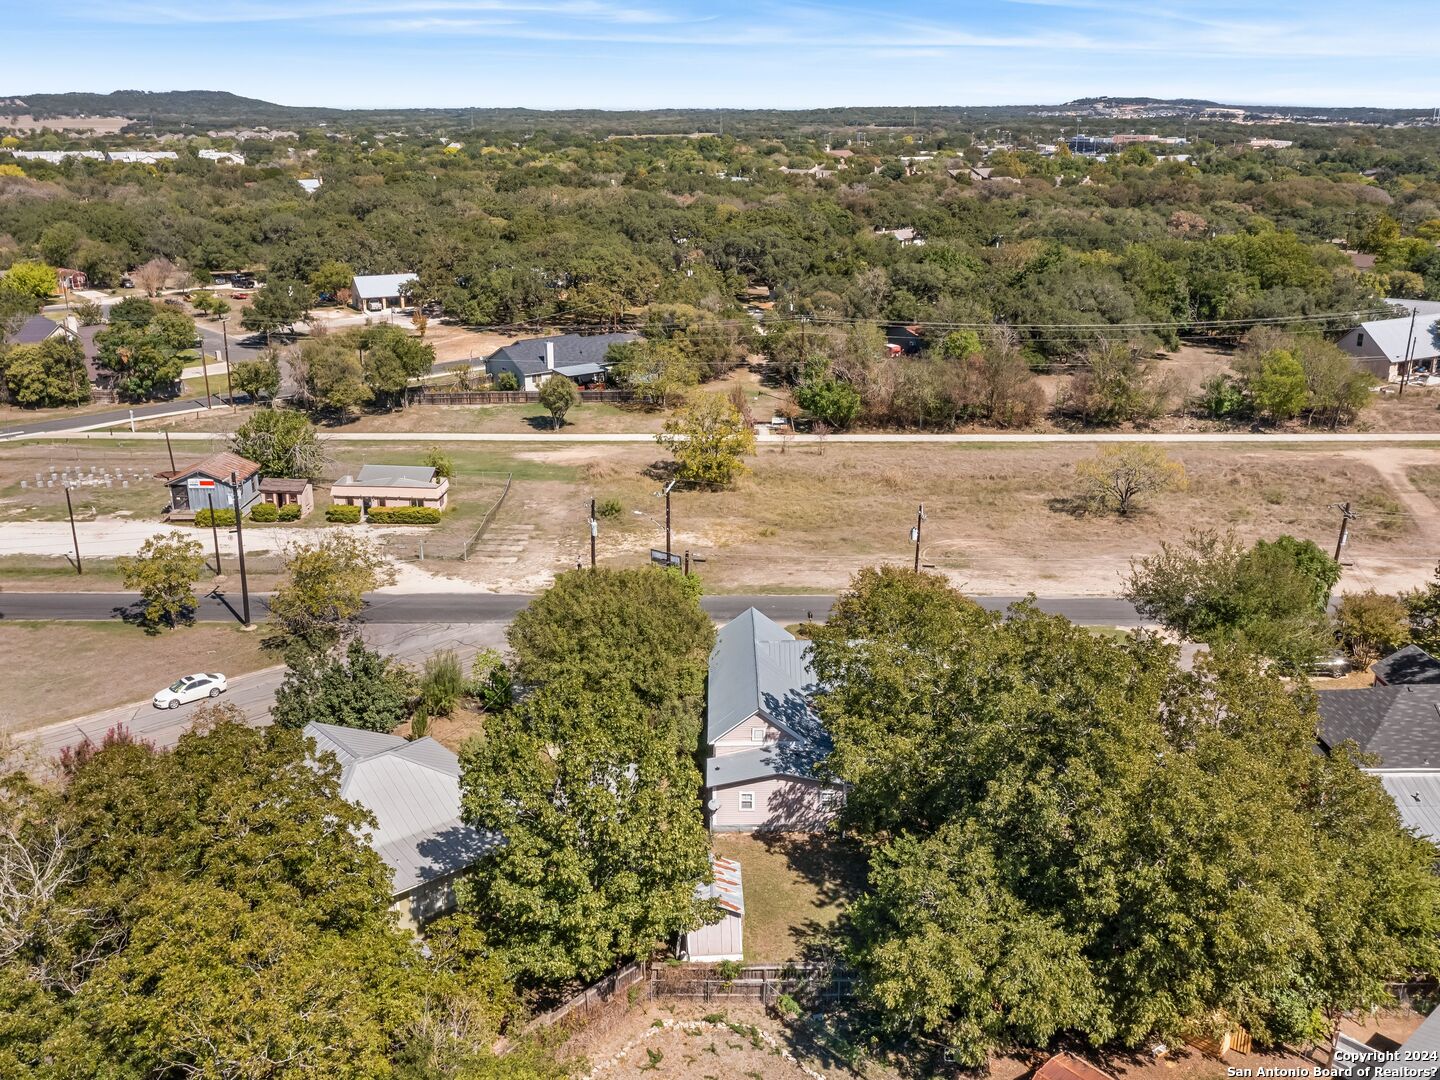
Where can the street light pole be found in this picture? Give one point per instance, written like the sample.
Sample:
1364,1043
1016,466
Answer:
240,543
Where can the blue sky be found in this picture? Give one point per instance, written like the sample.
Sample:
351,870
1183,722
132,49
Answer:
679,53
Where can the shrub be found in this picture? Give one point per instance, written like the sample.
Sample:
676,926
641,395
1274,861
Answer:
289,512
265,512
221,517
609,508
404,515
506,381
343,515
441,684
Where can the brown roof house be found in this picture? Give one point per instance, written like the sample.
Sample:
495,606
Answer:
283,491
207,483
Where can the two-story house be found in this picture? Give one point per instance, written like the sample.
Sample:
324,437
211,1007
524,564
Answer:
763,735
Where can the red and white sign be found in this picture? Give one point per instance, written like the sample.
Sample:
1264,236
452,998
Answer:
204,483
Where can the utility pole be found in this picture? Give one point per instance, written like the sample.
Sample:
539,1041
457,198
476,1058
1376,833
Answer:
205,370
229,386
915,534
171,450
1346,516
594,532
687,562
1409,350
240,543
667,521
214,529
74,537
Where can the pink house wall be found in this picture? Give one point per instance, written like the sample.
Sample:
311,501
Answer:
739,740
781,803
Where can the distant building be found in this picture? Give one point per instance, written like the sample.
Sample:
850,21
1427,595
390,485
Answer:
380,292
143,157
206,483
413,789
1089,144
1392,348
392,485
581,358
905,235
224,157
1270,144
55,157
310,185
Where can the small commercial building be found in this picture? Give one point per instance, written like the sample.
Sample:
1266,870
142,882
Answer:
725,938
208,483
380,292
413,789
392,485
282,491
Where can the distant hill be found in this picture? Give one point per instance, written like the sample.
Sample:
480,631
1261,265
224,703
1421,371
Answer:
192,110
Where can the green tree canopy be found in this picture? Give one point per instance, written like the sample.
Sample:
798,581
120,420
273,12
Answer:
164,572
558,395
359,689
282,442
709,439
46,375
258,379
321,600
1072,834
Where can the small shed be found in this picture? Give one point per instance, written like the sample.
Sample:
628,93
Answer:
208,483
724,939
283,491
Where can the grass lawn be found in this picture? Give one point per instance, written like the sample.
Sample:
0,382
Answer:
796,887
56,670
1427,479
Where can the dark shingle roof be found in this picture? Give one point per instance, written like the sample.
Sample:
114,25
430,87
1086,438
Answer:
280,485
1400,724
571,351
34,330
1409,666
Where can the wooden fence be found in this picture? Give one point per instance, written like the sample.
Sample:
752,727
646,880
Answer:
813,983
592,1000
507,397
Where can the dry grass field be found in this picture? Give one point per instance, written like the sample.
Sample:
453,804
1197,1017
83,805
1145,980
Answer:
54,670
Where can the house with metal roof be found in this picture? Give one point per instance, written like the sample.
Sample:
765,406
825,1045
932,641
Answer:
392,485
581,358
380,292
763,734
1400,725
723,939
1410,666
1390,348
413,790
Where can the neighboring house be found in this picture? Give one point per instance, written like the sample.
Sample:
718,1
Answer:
310,186
221,157
380,292
763,736
37,329
413,789
1388,348
906,235
282,491
143,157
1410,666
1400,725
392,485
579,357
34,330
207,483
1417,1058
66,278
723,940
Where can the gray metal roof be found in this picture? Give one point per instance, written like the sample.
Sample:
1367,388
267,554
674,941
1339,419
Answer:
380,286
787,757
756,666
1411,665
1417,797
416,476
575,354
727,889
1401,724
413,789
1391,335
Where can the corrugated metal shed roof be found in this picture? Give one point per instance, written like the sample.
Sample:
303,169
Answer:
413,789
1399,723
1417,797
216,467
1391,335
380,286
727,889
410,476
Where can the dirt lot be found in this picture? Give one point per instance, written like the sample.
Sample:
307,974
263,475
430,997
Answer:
54,671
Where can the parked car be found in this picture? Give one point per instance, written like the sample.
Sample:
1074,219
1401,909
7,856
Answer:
240,296
1335,666
243,282
191,688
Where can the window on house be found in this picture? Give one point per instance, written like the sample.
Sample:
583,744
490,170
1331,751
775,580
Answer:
747,800
757,734
417,502
1359,341
829,799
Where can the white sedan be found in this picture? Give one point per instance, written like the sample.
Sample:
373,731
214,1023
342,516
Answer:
191,688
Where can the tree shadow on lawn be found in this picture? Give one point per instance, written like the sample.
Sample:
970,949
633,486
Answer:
834,865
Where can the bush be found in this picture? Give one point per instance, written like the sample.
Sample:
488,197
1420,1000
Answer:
441,684
506,381
221,517
609,508
289,512
404,515
265,512
342,515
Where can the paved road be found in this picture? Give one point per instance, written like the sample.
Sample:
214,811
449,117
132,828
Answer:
109,418
474,608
